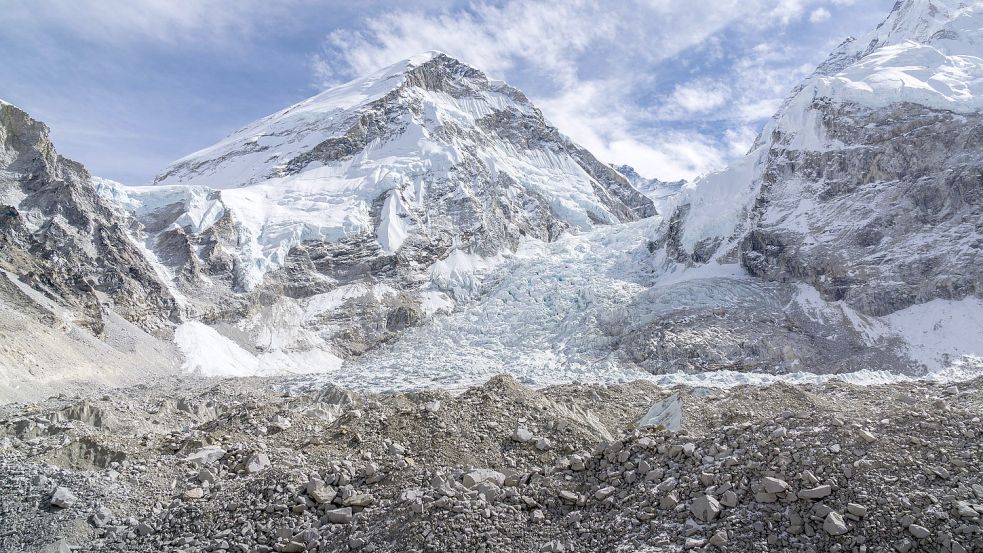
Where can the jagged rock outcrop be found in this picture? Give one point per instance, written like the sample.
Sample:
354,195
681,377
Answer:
58,236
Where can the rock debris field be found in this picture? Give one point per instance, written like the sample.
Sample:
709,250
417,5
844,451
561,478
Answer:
266,465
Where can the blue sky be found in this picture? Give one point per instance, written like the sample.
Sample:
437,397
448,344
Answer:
674,87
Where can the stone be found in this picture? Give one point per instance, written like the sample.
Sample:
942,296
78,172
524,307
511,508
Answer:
359,500
866,435
568,496
206,456
480,476
321,492
101,517
666,413
194,493
856,509
522,435
920,532
719,538
60,546
577,463
834,524
543,444
63,498
205,475
339,516
818,492
729,499
773,485
693,543
257,462
143,529
432,406
705,508
280,423
605,493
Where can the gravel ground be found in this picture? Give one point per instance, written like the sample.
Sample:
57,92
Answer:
258,465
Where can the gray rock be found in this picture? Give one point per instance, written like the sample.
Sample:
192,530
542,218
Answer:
667,413
818,492
705,508
920,532
339,516
856,509
834,524
522,435
480,476
206,456
359,500
143,529
257,462
605,493
63,498
321,492
100,517
774,485
206,475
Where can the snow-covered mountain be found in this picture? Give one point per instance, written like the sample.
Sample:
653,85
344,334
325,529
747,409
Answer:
427,151
662,193
867,184
847,241
337,222
427,225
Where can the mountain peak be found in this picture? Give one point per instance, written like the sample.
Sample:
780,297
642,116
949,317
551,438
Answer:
430,57
926,21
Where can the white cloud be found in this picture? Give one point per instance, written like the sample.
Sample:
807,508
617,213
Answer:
699,97
739,140
584,62
819,15
209,21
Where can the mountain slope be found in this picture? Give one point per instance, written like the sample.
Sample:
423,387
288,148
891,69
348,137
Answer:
78,299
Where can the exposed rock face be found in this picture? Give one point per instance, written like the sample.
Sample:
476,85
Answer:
891,218
58,236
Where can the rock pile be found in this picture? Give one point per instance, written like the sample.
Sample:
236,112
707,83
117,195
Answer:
829,467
